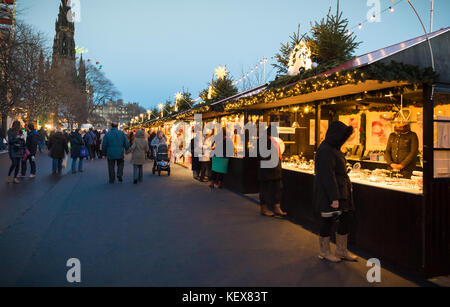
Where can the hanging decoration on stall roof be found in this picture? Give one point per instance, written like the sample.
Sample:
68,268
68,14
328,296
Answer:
300,59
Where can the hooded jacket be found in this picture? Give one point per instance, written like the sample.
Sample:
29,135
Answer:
331,181
139,149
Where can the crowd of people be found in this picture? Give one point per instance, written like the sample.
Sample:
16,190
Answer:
333,188
24,143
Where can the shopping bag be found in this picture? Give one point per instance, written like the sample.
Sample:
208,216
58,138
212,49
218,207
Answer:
220,165
84,152
64,164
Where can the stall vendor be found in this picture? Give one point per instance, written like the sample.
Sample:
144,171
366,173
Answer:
402,149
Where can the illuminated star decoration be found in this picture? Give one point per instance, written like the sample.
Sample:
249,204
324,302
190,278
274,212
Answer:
221,72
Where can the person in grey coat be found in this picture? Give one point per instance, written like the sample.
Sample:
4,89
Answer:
139,150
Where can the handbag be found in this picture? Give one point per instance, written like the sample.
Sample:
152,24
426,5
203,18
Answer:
84,152
64,164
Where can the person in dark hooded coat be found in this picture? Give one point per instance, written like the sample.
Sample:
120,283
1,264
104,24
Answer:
58,149
270,178
333,192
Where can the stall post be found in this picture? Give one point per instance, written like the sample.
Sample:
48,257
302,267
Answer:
247,135
317,126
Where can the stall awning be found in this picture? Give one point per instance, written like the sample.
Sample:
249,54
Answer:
349,89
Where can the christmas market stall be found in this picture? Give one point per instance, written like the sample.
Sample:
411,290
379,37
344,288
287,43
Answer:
402,212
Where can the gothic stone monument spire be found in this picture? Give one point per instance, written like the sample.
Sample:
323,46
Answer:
64,42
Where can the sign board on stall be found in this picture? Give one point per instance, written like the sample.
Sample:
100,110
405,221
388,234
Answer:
286,130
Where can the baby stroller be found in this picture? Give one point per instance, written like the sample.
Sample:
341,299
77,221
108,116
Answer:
162,160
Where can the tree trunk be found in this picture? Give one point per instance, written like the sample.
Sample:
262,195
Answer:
5,122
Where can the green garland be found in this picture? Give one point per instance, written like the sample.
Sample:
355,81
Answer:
362,129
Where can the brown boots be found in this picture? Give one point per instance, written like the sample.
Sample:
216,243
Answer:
10,180
341,249
325,251
265,211
277,210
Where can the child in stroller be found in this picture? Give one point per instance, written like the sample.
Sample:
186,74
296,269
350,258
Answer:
162,160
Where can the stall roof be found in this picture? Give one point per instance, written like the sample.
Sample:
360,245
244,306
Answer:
349,89
245,94
441,50
413,52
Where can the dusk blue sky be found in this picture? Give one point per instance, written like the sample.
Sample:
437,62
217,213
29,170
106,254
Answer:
152,49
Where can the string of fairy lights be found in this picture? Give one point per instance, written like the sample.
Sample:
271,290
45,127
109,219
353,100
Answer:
260,64
390,9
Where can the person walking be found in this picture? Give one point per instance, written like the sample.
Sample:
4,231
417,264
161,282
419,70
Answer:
195,157
42,138
158,140
76,144
222,145
89,140
205,157
16,150
270,178
150,140
131,138
114,144
139,150
98,151
32,142
58,149
333,192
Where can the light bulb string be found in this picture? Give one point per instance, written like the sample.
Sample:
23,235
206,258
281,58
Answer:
389,8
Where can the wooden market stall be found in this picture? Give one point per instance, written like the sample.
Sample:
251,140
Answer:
400,221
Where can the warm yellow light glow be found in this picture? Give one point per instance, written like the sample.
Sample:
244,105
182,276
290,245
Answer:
178,96
221,72
160,106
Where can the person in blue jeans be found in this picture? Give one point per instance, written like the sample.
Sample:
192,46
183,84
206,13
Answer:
76,144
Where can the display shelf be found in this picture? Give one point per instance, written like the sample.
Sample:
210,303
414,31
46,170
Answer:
365,182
